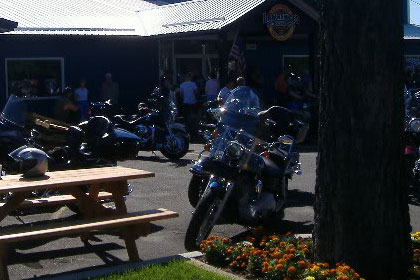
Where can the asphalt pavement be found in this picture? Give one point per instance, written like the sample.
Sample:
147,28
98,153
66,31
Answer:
168,190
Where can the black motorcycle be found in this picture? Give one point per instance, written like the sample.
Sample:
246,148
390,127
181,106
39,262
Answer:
155,124
246,178
412,139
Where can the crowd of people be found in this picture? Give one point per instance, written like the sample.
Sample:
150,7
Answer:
73,105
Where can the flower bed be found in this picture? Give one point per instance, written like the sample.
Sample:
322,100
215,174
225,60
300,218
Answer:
285,257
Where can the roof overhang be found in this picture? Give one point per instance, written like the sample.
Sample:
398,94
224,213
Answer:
307,9
7,25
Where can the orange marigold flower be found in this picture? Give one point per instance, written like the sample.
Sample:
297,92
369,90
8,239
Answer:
250,239
291,270
333,271
287,278
356,275
243,264
270,268
262,244
279,266
264,270
301,264
305,251
282,244
301,246
232,264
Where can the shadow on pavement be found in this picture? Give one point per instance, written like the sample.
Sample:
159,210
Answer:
177,163
298,198
32,259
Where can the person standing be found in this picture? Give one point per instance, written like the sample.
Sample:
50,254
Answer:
212,87
81,98
188,90
110,89
225,91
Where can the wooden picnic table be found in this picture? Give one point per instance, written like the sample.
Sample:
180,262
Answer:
86,187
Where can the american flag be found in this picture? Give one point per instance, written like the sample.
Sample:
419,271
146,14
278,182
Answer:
237,54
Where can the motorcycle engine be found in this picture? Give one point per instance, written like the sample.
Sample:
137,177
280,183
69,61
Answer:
145,133
257,209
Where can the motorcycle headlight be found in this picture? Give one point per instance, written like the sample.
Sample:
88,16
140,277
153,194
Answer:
415,125
234,150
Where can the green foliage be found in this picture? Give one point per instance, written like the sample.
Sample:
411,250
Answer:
174,270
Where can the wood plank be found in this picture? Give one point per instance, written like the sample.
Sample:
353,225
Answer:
63,179
56,200
66,228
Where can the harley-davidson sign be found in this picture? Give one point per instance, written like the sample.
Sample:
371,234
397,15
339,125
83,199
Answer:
281,22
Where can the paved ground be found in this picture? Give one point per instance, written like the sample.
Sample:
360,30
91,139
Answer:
168,189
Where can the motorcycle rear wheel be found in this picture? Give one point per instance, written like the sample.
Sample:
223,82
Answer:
202,221
172,152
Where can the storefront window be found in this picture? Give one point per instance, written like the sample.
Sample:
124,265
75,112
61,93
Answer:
34,76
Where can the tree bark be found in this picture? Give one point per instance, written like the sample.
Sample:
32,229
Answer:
361,195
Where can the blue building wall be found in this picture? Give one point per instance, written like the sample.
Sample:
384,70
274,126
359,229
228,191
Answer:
132,61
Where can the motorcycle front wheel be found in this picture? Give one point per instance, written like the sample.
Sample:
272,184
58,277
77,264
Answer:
196,188
175,145
203,220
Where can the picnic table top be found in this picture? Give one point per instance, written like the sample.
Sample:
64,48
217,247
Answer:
67,178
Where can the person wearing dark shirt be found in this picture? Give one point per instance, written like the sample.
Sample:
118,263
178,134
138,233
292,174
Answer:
65,110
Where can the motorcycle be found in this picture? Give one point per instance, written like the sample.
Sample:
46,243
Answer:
412,139
156,126
245,178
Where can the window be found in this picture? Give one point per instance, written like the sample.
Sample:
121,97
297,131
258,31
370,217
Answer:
34,76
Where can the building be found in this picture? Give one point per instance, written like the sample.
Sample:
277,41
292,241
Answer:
60,42
139,41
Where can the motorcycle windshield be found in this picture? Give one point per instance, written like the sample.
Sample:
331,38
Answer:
15,111
241,110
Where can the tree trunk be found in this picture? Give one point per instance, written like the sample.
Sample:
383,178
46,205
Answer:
361,204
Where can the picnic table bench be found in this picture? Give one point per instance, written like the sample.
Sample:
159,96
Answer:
87,188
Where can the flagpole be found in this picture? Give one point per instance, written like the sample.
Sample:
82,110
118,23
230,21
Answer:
234,42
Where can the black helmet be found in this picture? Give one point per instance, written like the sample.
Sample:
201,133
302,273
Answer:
31,162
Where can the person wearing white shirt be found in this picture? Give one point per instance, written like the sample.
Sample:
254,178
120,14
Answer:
188,91
81,98
224,92
212,87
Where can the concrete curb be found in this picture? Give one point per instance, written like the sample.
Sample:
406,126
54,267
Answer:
216,270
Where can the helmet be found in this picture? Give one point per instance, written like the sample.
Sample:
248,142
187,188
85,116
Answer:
32,162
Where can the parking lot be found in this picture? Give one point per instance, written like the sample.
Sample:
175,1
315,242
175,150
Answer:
168,190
